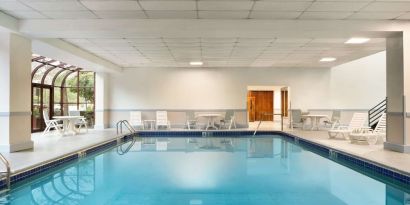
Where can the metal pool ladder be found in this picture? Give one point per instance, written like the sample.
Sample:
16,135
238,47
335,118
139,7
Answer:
7,172
267,114
127,125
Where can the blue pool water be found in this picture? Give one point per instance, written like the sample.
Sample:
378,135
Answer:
199,171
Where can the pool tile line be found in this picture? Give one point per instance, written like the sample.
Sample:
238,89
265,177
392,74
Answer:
340,156
61,161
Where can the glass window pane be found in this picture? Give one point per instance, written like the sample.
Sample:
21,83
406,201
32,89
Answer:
60,78
34,65
57,110
86,79
86,95
57,95
70,95
36,116
71,80
50,76
39,74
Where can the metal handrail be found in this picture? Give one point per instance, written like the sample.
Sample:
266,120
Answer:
127,125
8,170
266,114
375,112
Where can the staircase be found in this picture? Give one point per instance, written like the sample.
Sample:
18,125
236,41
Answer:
376,112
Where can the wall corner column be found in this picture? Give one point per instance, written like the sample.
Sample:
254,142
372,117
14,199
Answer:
15,91
101,101
398,92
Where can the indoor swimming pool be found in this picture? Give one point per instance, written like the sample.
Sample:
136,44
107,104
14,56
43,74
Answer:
207,170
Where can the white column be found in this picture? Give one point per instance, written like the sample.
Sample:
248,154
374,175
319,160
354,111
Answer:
101,101
398,92
15,93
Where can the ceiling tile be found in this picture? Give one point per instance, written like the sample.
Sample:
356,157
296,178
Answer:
172,14
13,6
69,14
337,6
274,15
111,5
225,5
325,15
26,14
375,15
52,5
280,6
223,14
388,6
120,14
168,5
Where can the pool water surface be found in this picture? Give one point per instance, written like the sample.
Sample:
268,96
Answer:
200,171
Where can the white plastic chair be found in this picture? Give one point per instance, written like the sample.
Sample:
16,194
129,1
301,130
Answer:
162,119
191,121
51,124
334,120
297,120
229,120
371,136
136,119
81,122
358,122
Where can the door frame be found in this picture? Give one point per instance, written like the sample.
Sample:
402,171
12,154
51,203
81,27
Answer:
51,105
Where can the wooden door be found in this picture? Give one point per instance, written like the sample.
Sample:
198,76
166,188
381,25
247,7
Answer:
263,104
285,103
251,108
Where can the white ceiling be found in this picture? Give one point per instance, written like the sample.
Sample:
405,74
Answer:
226,52
207,9
114,37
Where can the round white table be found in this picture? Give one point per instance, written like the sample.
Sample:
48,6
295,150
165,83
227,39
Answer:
68,123
314,120
211,119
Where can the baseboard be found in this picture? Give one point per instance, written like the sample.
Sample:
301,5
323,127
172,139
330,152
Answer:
397,147
16,147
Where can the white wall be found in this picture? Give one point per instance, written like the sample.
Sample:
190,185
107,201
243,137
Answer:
218,88
359,84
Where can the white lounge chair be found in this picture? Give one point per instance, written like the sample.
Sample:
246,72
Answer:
81,122
162,120
358,122
371,136
51,124
136,119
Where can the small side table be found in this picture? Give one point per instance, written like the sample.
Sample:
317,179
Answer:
150,123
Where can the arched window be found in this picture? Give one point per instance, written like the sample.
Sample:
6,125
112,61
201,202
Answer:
58,88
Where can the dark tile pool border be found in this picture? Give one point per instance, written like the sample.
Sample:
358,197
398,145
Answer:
62,161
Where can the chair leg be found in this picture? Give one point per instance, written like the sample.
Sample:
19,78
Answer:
46,130
86,127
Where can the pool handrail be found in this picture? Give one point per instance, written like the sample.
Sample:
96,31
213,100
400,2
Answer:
127,125
8,170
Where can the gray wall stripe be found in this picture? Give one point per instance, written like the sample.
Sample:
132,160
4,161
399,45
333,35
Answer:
8,114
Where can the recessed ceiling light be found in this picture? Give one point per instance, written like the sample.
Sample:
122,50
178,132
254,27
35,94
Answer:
196,63
357,40
327,59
